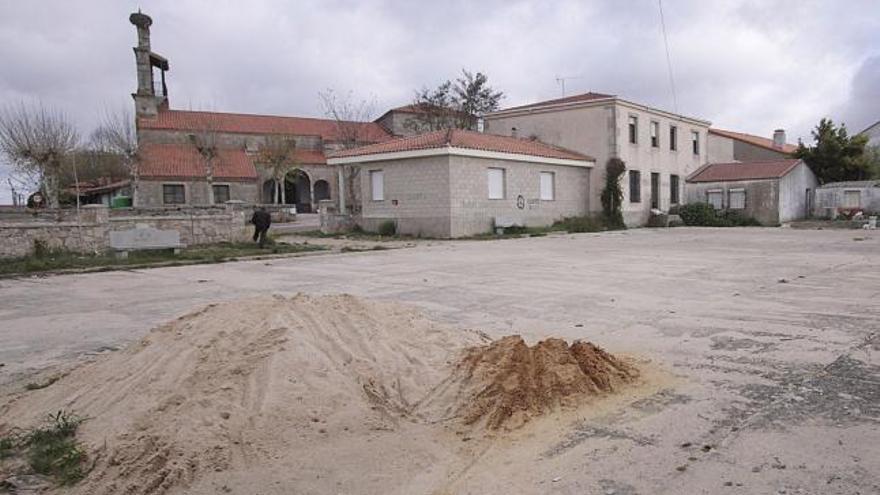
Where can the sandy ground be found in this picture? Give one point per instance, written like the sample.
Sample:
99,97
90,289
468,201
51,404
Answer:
771,336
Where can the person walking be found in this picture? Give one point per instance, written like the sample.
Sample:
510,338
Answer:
261,220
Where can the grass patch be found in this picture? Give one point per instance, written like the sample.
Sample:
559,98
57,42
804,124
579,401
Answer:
208,253
39,385
51,450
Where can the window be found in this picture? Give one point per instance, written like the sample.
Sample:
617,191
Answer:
173,194
655,190
655,134
737,200
548,186
633,129
715,197
221,194
852,199
496,183
673,137
674,191
635,186
695,142
377,185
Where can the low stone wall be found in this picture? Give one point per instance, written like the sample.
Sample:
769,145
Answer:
91,233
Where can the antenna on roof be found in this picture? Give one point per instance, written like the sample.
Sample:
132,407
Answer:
560,80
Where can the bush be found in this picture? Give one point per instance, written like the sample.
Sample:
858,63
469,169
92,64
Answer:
705,215
698,215
579,224
387,228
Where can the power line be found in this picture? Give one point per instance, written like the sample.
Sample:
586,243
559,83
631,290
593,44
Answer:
668,57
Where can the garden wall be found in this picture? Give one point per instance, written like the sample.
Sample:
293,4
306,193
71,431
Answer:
89,232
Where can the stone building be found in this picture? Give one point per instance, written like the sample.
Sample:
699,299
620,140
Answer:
772,192
173,171
455,183
861,195
659,148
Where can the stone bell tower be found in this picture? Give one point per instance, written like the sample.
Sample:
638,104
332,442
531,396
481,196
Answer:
152,94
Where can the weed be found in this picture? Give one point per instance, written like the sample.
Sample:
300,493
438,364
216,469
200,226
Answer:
52,450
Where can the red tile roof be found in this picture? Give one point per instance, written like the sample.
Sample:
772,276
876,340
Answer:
310,157
184,161
758,141
459,138
561,101
180,120
724,172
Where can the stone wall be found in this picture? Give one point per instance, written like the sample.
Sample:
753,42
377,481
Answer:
92,232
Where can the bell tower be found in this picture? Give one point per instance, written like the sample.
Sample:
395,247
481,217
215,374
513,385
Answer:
152,92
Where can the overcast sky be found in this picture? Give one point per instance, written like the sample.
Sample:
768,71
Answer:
750,66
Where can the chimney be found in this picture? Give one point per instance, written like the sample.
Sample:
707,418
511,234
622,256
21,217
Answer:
779,138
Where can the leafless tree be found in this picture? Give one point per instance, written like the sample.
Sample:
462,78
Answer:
278,154
350,116
206,139
36,140
117,134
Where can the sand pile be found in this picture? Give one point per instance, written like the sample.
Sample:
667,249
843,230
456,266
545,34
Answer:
297,388
508,382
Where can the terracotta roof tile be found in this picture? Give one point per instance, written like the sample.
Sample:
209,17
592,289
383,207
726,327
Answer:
724,172
459,138
758,141
183,161
181,120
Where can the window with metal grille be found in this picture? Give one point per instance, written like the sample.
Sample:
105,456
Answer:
221,194
173,194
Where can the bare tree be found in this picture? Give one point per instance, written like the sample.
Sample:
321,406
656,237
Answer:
350,116
117,134
278,153
37,140
455,104
206,140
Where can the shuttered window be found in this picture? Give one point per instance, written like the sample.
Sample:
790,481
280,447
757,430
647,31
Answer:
377,185
715,198
548,186
496,183
635,186
737,199
674,190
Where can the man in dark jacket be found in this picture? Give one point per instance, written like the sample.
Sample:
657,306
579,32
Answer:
261,220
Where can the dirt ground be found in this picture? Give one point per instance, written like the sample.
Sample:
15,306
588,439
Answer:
769,338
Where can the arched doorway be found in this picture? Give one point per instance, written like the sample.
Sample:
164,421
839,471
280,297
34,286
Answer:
322,190
298,191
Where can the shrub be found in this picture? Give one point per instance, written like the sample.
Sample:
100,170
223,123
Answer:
41,248
387,228
705,215
698,214
579,224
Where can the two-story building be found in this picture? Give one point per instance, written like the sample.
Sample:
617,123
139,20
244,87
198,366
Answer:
660,148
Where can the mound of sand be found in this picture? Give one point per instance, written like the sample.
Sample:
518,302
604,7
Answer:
508,382
300,387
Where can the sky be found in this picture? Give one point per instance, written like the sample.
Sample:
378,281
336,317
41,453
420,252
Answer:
745,65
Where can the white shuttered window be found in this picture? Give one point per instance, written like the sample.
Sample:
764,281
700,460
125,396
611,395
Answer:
377,185
496,183
737,199
715,198
548,186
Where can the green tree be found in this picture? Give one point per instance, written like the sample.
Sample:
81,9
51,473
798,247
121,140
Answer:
612,195
455,104
835,156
